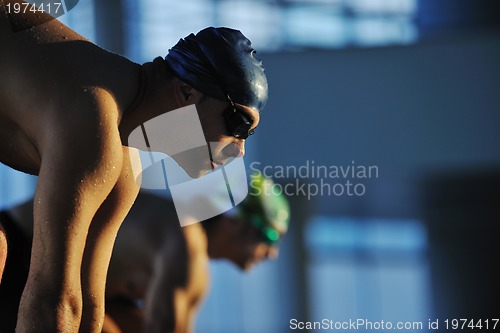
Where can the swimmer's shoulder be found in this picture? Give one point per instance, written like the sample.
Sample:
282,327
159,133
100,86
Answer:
197,263
196,240
45,57
55,63
44,44
19,24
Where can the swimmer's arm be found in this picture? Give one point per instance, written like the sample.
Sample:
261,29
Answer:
183,311
81,162
174,293
101,238
169,273
195,290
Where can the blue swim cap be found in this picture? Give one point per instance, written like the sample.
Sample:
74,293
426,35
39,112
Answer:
221,62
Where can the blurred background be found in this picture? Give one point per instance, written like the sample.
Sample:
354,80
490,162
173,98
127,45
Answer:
409,87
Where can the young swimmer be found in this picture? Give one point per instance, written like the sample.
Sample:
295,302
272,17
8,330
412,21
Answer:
67,108
164,266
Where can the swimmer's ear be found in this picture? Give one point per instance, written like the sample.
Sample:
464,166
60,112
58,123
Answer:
186,91
188,94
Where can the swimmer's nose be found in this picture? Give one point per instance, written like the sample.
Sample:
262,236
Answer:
272,253
235,149
239,149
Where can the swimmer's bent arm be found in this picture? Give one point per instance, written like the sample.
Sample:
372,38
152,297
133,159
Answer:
177,288
81,161
101,238
166,300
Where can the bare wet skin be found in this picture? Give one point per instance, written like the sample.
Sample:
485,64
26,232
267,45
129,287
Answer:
64,117
45,75
61,103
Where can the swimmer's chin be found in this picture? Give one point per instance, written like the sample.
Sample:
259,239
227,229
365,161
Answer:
197,173
193,169
246,265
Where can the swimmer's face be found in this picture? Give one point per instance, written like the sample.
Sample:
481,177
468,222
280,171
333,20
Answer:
224,144
225,125
253,247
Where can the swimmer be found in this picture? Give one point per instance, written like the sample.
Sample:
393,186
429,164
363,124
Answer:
67,108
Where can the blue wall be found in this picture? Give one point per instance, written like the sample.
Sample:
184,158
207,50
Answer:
409,110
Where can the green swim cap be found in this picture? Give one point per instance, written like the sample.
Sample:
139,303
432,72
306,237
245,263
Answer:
265,209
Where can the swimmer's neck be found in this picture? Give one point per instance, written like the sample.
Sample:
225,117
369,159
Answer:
154,97
220,239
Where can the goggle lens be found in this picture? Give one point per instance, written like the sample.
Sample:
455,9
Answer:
237,123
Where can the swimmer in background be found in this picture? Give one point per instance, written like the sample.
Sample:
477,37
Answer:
157,263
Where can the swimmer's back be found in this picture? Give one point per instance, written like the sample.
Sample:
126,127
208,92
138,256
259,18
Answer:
44,59
49,72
